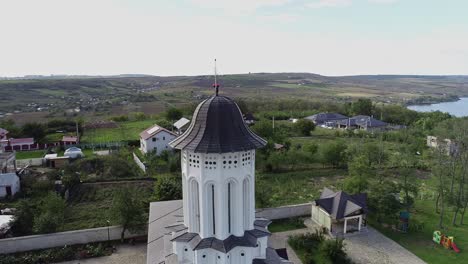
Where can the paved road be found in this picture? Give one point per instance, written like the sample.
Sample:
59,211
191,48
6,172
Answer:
125,254
373,247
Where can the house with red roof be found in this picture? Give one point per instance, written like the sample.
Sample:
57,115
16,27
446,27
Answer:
70,140
156,139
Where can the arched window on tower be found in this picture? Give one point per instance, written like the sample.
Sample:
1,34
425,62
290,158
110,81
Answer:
231,200
246,201
195,206
210,206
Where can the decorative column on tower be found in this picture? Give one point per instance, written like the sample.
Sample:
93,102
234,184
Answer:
218,178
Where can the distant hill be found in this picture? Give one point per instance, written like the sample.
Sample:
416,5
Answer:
112,95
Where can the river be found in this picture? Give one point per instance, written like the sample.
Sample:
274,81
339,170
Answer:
458,108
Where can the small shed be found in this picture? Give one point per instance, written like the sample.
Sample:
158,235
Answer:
9,184
181,125
340,212
54,161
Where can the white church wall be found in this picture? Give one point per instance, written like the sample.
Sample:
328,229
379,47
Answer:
220,170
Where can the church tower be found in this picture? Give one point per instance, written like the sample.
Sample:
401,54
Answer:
218,178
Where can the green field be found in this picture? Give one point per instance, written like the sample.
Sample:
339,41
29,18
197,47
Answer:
129,130
296,187
89,206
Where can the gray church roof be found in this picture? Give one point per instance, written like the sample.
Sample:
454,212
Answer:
218,127
249,239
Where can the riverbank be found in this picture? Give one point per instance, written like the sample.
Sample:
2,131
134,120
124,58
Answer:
429,100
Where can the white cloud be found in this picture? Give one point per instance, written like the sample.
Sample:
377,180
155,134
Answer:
329,3
101,37
383,1
239,6
343,3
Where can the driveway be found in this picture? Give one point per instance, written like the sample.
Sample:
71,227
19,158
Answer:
125,254
280,240
372,247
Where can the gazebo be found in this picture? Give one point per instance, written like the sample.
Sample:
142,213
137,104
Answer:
340,212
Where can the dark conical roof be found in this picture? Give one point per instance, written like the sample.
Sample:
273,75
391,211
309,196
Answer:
218,127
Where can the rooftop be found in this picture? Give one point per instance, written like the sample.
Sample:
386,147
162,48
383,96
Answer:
340,204
153,131
218,127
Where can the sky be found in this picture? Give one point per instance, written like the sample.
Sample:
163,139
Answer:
182,37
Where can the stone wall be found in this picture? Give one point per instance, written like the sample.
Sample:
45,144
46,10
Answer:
27,243
285,211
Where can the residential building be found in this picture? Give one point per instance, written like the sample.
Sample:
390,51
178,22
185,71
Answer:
363,122
448,145
70,140
215,222
156,139
340,212
9,181
326,119
20,143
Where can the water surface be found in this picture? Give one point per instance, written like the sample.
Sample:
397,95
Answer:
458,108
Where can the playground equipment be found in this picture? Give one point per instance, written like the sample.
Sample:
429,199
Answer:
404,221
446,241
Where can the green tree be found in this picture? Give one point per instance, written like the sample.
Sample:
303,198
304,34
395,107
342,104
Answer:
304,127
23,219
173,114
408,186
51,214
362,107
334,153
383,200
128,210
168,187
359,174
35,130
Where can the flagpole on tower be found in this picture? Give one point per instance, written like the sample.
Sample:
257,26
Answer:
216,85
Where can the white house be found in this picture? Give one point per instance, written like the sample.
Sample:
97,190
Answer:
215,223
156,139
9,184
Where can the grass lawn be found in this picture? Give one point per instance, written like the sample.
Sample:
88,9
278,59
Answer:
129,130
89,206
421,244
33,154
282,225
296,187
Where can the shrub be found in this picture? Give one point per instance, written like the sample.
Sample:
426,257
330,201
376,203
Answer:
168,188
